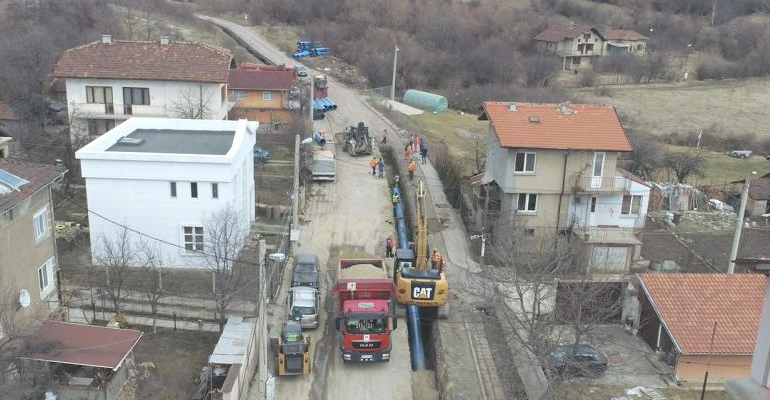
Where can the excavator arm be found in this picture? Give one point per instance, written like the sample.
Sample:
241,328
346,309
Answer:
421,219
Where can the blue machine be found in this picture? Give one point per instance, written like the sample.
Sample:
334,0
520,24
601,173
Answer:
412,311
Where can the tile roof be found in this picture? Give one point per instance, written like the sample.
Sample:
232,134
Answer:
6,113
689,304
623,34
38,176
628,175
557,33
760,188
584,127
176,61
260,80
88,345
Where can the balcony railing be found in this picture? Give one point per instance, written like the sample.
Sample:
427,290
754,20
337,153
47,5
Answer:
90,110
607,235
602,184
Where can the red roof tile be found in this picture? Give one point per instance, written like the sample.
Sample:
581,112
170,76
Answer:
176,61
545,126
623,34
38,176
260,80
90,345
6,113
557,33
689,304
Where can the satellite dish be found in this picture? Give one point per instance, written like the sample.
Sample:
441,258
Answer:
24,299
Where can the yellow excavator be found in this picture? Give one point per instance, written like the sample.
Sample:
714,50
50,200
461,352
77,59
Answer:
417,282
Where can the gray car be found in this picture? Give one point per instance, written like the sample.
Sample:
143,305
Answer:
305,271
302,305
581,360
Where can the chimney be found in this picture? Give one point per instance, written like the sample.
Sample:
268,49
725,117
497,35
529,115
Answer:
512,107
164,40
564,108
106,40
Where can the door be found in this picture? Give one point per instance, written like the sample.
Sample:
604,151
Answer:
598,169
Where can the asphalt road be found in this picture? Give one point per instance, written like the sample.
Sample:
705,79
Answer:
352,214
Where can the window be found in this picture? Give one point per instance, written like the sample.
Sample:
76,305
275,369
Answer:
525,162
526,202
223,93
45,278
173,189
589,47
40,221
194,190
632,204
639,47
97,127
593,204
99,94
267,95
575,60
237,95
136,96
586,36
214,190
193,238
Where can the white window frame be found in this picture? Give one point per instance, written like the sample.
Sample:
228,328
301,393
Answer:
194,242
46,278
41,224
527,155
526,202
267,95
237,95
629,211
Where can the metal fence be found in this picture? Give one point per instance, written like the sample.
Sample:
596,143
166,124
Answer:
380,95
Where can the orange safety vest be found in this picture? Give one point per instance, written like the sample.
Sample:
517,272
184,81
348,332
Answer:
411,166
373,163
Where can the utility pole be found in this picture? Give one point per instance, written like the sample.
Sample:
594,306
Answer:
739,223
262,322
393,82
713,12
310,104
294,234
708,364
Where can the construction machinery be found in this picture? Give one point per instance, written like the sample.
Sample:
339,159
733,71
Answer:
366,311
291,350
417,282
357,140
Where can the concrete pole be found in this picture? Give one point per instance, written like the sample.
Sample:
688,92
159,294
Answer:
393,82
262,322
295,195
739,224
310,105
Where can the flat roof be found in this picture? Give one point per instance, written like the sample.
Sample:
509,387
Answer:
233,342
176,142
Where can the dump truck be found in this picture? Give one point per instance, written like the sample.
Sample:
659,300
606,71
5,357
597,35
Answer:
366,310
291,351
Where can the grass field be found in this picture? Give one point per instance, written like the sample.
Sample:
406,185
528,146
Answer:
721,168
735,105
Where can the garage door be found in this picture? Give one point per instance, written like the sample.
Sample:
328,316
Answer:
609,259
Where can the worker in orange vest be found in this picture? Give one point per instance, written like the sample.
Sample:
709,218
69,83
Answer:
416,143
373,164
384,136
436,260
411,169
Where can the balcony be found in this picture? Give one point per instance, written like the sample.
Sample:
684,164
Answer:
603,184
118,111
618,235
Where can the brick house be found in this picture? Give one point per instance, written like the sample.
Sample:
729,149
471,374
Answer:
579,46
265,95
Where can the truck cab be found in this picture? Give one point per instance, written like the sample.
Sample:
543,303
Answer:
303,305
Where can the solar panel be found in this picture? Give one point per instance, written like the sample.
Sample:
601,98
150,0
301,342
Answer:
11,180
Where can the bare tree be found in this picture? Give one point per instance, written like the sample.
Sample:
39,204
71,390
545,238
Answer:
684,164
224,236
193,103
646,157
113,259
150,279
16,328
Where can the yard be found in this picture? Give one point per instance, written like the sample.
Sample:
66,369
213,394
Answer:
720,168
177,356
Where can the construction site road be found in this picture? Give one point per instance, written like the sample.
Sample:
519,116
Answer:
351,215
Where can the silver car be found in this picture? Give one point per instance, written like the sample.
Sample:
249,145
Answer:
303,305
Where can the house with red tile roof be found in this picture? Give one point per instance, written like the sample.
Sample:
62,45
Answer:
579,46
758,202
110,81
553,168
267,95
27,246
702,322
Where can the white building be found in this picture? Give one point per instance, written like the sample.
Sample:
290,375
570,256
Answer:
165,177
110,81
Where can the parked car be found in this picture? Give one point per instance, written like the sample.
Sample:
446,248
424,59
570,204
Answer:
741,153
302,72
261,155
302,305
305,271
581,360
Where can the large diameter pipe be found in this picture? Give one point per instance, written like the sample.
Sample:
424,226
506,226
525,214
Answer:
418,352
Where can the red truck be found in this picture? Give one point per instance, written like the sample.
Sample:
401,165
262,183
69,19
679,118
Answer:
366,310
